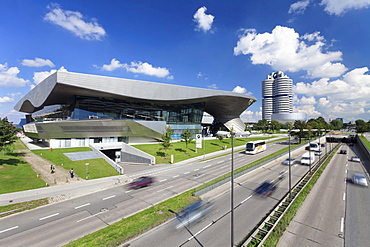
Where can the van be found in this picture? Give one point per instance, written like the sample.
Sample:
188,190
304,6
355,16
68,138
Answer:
308,158
314,147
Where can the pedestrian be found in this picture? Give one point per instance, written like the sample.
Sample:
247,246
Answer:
71,172
52,168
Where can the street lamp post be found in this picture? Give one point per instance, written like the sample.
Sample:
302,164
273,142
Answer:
290,167
232,189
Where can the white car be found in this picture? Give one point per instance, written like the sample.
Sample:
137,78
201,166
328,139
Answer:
355,159
318,153
289,161
359,179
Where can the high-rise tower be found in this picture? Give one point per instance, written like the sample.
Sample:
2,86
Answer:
277,95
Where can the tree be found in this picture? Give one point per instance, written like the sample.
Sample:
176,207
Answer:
7,133
275,125
300,125
361,126
167,137
337,125
186,135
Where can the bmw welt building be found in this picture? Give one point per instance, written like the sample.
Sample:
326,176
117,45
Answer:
72,109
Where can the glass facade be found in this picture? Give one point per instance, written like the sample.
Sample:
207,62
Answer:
90,108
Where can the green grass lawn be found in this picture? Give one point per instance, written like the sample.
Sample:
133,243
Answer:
16,174
97,168
178,149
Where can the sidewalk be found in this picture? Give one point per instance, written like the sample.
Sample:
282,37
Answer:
77,188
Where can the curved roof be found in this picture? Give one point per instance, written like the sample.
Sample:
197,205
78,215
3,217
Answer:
61,87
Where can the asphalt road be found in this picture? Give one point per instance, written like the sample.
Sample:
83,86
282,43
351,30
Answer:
357,228
214,230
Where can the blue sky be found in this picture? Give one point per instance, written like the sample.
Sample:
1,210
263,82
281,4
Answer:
226,45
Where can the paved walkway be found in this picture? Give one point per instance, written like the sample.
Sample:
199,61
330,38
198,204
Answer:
65,189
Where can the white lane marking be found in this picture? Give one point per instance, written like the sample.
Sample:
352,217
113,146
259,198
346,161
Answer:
164,189
346,171
176,176
223,166
207,166
87,204
200,231
186,172
49,216
11,228
92,216
196,170
128,191
344,196
109,197
163,180
342,225
219,162
246,199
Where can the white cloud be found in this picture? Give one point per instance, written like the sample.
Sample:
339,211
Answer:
213,86
6,99
239,89
138,68
339,7
37,62
74,22
250,116
284,49
204,21
9,77
344,97
40,76
298,7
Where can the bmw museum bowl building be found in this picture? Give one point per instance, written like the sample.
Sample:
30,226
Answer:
73,110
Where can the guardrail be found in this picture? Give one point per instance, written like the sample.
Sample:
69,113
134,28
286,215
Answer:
268,223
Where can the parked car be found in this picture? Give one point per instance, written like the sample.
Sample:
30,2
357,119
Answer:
265,189
343,151
318,153
288,161
141,182
359,179
355,159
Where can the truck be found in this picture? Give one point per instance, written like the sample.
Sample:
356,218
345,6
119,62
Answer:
313,147
308,158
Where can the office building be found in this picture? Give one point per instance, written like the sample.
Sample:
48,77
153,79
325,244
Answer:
277,95
72,109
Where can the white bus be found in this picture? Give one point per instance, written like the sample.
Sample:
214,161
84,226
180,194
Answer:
254,147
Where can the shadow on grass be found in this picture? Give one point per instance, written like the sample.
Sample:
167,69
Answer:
161,154
11,162
180,150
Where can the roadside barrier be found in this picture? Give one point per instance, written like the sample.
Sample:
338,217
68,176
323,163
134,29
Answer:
264,228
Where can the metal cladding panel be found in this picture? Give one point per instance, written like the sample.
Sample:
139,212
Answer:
67,84
97,128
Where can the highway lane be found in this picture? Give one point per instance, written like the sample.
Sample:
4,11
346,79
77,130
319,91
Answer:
214,230
357,229
320,220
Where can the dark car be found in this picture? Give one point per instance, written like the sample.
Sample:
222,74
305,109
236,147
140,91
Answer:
343,151
265,189
141,182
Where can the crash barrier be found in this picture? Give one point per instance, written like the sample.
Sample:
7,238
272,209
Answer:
264,228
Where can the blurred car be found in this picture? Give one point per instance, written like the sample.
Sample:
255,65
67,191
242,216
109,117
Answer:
355,159
265,189
141,182
192,213
318,153
343,151
288,161
359,179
